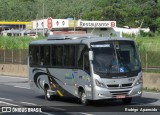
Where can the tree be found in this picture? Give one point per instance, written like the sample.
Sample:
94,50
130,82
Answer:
125,12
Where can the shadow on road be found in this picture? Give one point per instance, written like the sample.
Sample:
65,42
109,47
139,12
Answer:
68,100
73,105
142,101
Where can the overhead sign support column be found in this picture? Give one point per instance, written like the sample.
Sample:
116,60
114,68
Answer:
49,22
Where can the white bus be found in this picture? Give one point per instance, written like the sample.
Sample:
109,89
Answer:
86,67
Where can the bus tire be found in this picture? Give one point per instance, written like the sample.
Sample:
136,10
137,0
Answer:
127,101
83,99
47,96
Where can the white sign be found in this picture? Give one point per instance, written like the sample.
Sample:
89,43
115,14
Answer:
97,24
40,24
60,23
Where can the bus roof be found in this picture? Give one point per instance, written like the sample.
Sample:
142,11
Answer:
75,39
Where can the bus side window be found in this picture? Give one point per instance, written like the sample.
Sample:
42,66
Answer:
81,50
41,55
45,55
69,55
33,55
57,55
86,65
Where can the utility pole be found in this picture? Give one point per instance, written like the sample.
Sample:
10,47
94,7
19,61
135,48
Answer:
74,26
139,29
43,19
36,24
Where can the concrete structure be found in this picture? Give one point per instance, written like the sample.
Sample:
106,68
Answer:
133,31
49,26
102,28
6,25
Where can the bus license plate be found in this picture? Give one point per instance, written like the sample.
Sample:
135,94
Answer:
120,96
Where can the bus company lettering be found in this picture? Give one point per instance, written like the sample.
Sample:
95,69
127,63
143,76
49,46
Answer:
67,76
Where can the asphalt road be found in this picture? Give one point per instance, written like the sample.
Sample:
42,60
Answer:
15,92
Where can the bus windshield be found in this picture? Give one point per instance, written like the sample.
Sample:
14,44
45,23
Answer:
115,57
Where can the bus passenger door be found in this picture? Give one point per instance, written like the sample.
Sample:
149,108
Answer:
86,64
86,76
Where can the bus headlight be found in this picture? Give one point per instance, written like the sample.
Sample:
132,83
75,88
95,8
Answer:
99,84
139,81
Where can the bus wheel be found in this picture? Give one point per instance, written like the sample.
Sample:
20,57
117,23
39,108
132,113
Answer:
127,101
83,99
47,95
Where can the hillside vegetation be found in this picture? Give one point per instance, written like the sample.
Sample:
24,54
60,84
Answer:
125,12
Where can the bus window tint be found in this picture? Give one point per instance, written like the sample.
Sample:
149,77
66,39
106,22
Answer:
81,50
33,55
57,55
86,66
69,55
45,55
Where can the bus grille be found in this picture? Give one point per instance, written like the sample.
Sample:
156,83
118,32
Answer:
119,86
113,86
127,85
115,93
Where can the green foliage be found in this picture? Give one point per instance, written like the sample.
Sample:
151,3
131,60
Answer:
151,89
146,34
149,52
125,12
7,42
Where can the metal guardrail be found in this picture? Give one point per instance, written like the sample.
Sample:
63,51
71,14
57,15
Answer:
152,69
14,56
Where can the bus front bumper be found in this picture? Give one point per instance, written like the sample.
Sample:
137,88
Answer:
104,93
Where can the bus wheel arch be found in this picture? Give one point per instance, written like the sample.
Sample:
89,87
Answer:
82,96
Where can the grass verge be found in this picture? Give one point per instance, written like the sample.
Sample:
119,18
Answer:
155,90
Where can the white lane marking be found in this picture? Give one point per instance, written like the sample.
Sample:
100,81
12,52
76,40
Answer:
28,103
86,113
152,93
22,87
15,77
57,108
5,99
8,103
